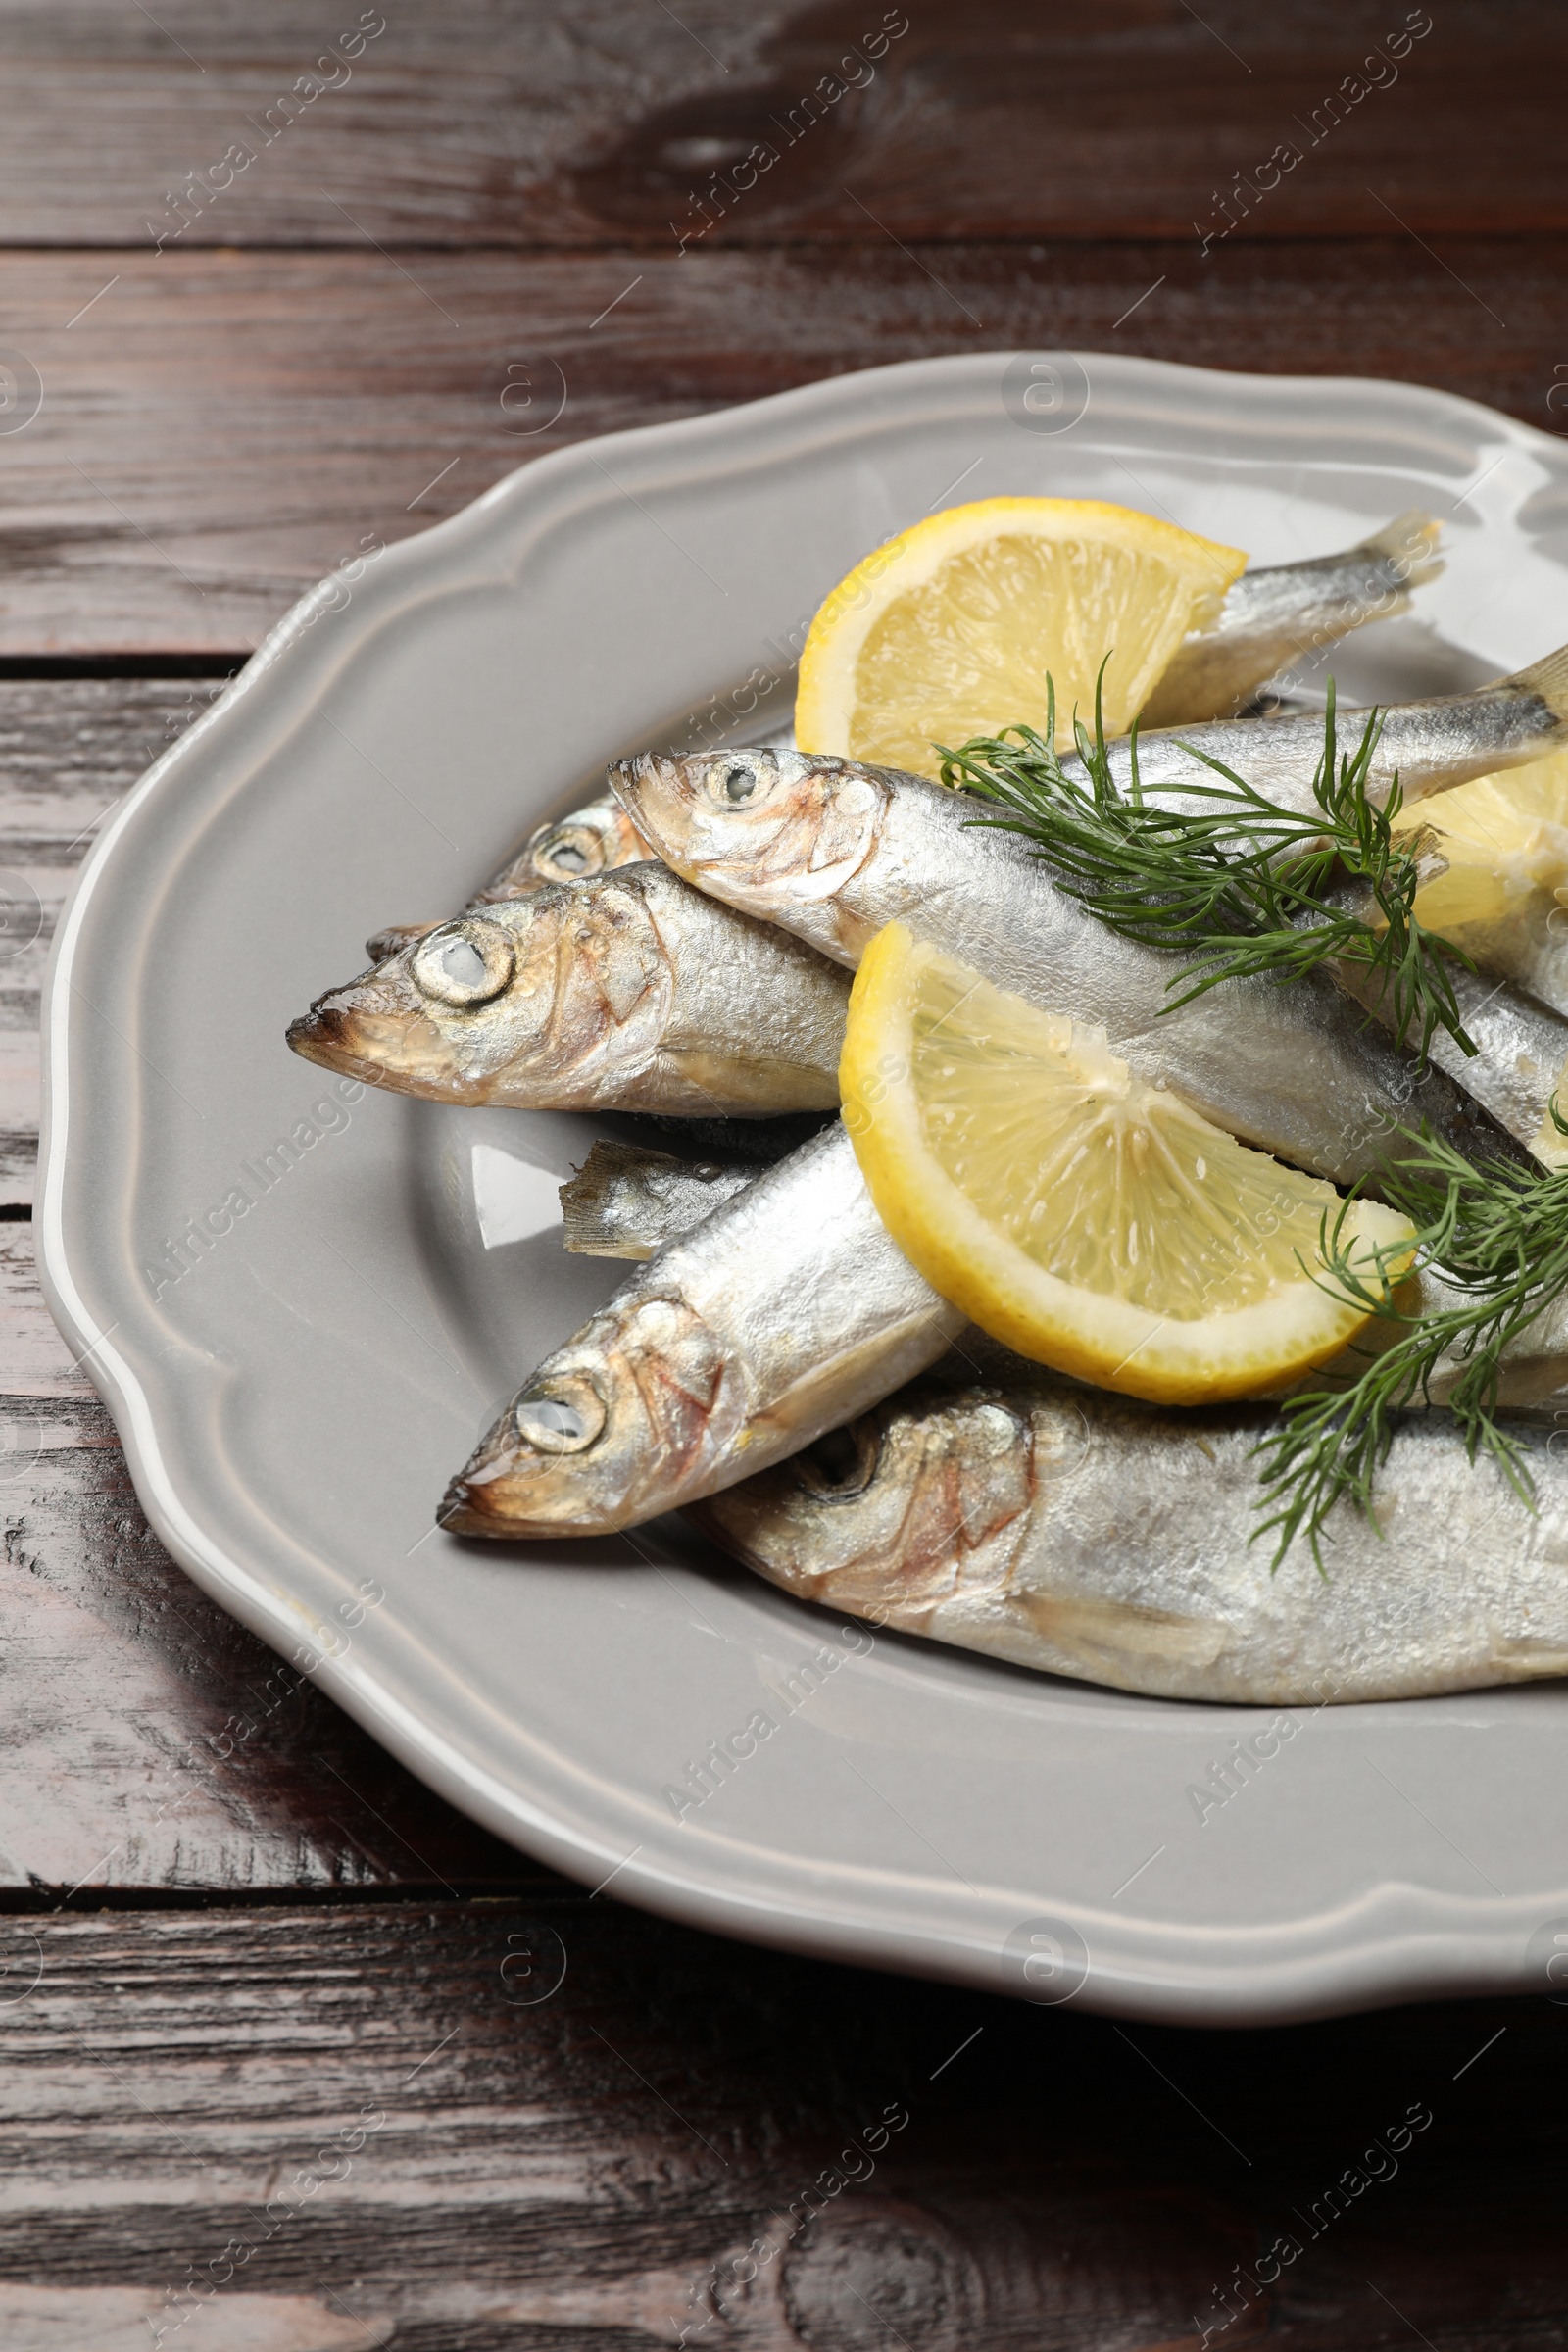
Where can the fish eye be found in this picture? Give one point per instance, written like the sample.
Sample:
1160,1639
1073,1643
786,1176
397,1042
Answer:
741,783
563,1420
840,1464
563,856
463,963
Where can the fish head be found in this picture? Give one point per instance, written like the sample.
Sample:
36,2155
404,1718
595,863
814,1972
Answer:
514,1004
571,848
616,1427
773,832
887,1517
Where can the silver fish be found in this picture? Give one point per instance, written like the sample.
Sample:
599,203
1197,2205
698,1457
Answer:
1086,1535
1430,744
1275,614
630,991
832,850
781,1315
1527,946
1521,1048
627,1201
784,1313
592,840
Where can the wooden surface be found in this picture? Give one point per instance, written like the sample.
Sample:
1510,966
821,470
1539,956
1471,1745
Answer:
232,1931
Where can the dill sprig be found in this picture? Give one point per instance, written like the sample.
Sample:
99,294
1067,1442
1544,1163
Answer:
1498,1234
1244,891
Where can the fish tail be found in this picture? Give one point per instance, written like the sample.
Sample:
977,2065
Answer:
1409,543
591,1199
1548,678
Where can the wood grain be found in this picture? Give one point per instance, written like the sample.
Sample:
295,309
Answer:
529,122
69,753
146,1739
219,430
296,2130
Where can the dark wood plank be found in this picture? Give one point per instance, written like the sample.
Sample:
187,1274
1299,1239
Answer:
348,2127
221,429
146,1739
544,123
69,750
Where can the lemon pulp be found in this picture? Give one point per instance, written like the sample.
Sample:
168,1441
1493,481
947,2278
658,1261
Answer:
1090,1221
1505,839
951,629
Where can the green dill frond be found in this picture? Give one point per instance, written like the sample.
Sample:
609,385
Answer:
1498,1234
1246,889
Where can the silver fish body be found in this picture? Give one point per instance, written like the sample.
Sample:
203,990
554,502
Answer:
832,850
1085,1534
784,1313
1521,1047
1430,744
629,991
1527,947
1273,616
592,840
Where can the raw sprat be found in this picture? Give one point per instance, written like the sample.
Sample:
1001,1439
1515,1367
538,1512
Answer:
1085,1533
627,992
1245,886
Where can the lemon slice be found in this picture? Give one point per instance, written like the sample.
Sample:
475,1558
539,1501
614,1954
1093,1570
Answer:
948,630
1090,1221
1505,839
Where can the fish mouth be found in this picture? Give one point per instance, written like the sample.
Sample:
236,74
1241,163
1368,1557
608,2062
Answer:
359,1033
657,795
322,1036
522,1503
469,1511
505,1514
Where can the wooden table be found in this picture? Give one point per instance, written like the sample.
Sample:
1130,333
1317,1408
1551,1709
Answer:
275,2074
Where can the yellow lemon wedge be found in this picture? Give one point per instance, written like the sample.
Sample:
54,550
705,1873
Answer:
950,630
1088,1220
1504,837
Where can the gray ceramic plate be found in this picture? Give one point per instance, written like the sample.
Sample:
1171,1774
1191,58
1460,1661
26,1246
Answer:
293,1401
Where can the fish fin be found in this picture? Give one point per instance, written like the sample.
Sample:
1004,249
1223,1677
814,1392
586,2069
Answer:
593,1217
1117,1626
1410,543
1548,679
1527,1659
